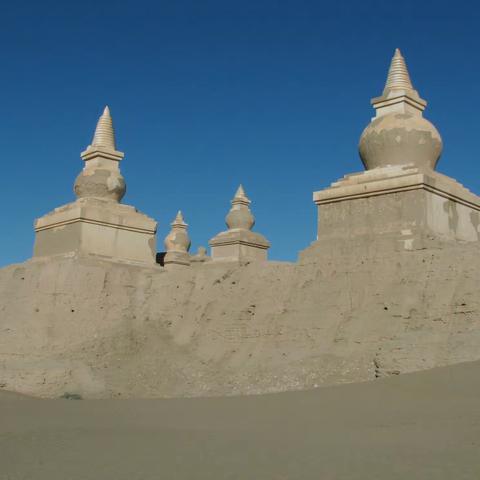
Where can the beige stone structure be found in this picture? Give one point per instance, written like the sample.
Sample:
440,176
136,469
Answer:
96,223
399,199
391,285
239,242
201,255
177,243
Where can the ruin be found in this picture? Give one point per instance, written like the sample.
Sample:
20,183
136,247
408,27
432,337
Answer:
387,287
239,242
399,197
96,223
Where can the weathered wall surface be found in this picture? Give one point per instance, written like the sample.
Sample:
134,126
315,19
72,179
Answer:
346,314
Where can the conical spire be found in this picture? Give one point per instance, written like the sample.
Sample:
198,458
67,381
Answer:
398,96
104,134
99,157
179,220
240,197
240,193
398,77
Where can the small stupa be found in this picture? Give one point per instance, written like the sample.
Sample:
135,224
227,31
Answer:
399,199
239,242
201,256
97,223
177,243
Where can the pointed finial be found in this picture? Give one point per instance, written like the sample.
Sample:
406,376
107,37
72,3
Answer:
99,157
104,133
398,77
398,96
240,197
240,193
178,220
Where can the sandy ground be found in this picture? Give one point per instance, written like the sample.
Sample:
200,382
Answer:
418,426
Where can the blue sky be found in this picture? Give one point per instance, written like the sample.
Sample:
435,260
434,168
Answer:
209,94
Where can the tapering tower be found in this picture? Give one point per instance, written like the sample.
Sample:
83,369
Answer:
101,177
399,200
177,243
97,223
239,242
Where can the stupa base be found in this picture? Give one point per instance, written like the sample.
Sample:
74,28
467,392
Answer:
407,207
239,244
97,227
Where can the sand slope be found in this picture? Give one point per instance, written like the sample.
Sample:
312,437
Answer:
417,426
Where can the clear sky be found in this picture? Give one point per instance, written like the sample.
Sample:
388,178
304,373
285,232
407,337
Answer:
209,94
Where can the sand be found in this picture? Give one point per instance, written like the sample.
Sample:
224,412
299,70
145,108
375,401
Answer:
417,426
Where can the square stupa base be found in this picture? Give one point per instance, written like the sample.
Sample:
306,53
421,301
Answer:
97,227
401,206
239,244
176,258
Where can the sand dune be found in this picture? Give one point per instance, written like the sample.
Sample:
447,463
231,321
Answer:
418,426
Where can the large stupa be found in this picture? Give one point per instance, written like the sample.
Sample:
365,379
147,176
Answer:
97,223
399,200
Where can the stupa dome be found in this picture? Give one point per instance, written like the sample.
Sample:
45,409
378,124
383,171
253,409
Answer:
100,183
400,138
399,134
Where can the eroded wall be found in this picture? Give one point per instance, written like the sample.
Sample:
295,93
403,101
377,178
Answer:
350,313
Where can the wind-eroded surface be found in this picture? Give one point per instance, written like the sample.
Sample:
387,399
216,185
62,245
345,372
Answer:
348,314
418,426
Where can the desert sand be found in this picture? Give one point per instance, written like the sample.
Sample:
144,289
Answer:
423,425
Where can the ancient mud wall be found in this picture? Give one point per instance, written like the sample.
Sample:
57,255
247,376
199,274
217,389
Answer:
352,313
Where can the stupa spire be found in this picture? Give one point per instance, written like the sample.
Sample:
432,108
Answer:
179,220
240,193
101,177
398,95
398,77
104,136
177,243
